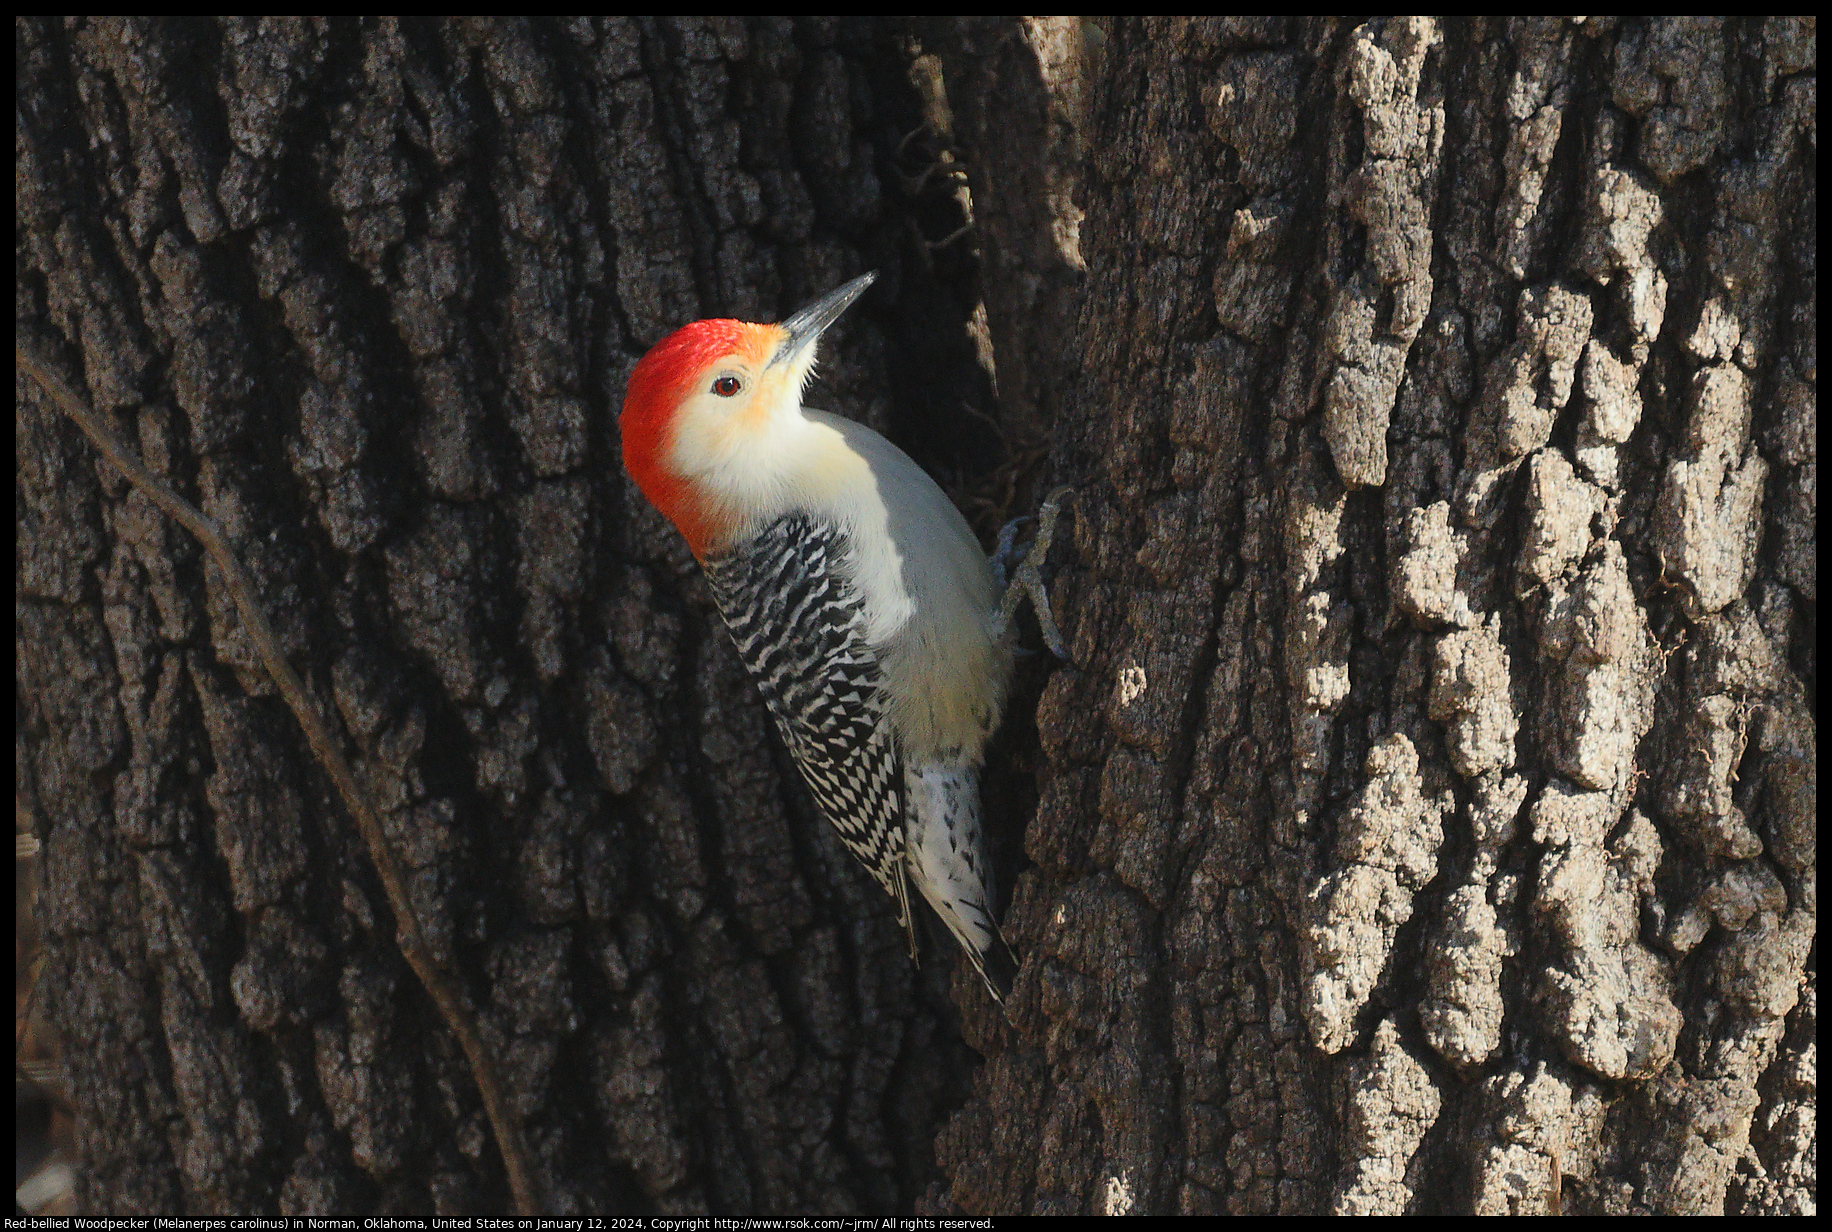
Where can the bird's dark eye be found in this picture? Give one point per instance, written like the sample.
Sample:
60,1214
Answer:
727,386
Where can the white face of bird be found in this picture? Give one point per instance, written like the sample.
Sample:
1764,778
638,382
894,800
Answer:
712,426
744,400
735,404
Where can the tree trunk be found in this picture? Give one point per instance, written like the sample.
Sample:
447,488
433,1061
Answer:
1424,821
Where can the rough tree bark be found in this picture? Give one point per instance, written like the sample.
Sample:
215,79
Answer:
1424,822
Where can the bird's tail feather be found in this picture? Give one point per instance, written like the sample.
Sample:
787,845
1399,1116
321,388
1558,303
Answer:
947,862
996,965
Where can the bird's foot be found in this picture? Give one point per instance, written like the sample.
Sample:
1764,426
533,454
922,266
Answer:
1026,579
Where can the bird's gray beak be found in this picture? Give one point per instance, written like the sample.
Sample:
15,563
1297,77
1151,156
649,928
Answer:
806,327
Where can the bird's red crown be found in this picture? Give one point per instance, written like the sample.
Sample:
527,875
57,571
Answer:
663,378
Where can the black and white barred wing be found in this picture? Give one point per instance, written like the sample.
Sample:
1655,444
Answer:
801,633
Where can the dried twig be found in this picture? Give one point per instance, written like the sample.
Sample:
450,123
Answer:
443,983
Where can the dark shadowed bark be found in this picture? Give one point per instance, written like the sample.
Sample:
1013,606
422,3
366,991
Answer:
1423,823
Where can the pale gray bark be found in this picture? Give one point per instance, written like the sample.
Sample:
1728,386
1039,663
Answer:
1426,817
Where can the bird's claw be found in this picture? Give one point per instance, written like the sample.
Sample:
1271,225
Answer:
1026,579
1000,560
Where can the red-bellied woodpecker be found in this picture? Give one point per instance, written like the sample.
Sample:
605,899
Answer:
856,594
